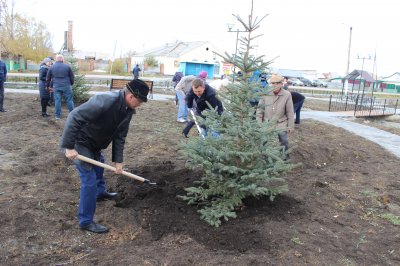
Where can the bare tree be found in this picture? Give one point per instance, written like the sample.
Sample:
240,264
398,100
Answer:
23,36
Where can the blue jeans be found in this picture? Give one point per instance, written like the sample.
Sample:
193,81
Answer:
92,186
204,132
65,91
182,108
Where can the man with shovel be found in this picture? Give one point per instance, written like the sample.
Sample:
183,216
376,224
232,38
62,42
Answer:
201,94
88,130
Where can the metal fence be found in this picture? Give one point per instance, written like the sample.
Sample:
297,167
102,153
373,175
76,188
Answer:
362,105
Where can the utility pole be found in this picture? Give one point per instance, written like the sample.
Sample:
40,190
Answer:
346,82
230,26
348,53
368,57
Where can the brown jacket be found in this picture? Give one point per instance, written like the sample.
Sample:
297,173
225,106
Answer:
276,107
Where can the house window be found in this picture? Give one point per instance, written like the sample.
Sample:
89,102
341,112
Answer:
216,69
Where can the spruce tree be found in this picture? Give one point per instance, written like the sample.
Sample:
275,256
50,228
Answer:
246,160
79,88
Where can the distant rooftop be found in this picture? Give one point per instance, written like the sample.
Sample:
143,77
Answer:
359,73
87,54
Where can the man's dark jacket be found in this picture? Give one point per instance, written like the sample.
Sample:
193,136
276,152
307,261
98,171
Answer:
297,97
3,71
61,75
92,126
209,96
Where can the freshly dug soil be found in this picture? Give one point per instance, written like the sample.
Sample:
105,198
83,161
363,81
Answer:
335,212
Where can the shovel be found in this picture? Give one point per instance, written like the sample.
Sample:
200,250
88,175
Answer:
112,168
197,123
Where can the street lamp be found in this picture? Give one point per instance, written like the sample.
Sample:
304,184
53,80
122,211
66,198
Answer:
348,58
368,57
230,27
348,53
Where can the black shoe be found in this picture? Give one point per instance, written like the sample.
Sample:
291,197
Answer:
185,135
45,115
297,122
107,196
3,110
95,228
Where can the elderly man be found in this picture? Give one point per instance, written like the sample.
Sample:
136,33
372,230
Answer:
63,78
88,130
277,106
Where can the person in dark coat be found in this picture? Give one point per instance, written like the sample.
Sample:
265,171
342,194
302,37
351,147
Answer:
3,78
201,93
177,77
136,71
89,129
175,80
298,100
44,91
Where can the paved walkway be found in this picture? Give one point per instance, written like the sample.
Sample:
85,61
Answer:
389,141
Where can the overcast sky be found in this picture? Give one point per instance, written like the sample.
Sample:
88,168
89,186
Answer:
307,34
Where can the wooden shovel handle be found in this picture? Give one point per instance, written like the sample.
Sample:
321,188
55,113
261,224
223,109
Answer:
109,167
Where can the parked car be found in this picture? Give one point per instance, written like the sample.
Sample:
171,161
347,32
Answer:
306,81
295,82
319,83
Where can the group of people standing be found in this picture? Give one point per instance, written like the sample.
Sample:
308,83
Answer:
55,82
55,79
280,105
193,93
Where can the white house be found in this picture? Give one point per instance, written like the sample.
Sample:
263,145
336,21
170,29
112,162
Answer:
170,55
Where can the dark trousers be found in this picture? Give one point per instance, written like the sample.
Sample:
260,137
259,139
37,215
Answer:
188,127
1,94
297,108
284,141
44,102
51,99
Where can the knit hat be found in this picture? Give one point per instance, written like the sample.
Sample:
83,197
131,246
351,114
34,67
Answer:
139,89
203,74
46,60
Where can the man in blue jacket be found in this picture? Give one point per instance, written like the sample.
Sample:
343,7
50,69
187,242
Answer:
88,130
63,78
136,71
3,77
